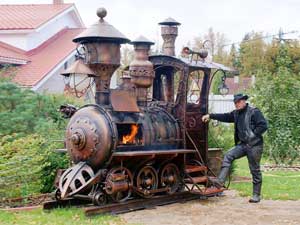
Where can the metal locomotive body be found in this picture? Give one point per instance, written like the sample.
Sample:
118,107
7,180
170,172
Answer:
145,137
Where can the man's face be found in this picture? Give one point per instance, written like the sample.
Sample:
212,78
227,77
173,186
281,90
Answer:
240,104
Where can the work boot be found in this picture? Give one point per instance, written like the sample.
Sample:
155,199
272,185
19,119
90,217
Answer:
256,193
255,198
219,182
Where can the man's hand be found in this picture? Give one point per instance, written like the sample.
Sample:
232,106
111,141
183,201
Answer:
205,118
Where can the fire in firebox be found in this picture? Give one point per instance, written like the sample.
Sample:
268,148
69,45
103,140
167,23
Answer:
130,138
129,134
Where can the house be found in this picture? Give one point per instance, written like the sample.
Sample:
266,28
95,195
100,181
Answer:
36,41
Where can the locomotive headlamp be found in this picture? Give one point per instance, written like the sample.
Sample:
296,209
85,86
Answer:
78,78
223,89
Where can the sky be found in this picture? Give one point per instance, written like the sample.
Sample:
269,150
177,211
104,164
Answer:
234,18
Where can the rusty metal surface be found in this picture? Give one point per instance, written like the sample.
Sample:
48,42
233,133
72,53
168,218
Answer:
89,136
101,46
170,177
124,101
153,152
169,32
169,22
194,168
147,181
75,179
215,158
139,204
126,83
141,69
118,184
142,40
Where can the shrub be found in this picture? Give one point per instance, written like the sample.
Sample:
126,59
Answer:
28,165
29,124
221,136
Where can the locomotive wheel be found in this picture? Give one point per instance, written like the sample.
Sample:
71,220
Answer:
99,198
169,177
111,183
146,180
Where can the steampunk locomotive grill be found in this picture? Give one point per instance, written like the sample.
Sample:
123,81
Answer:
127,145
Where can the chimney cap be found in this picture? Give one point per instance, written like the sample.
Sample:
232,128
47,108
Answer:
101,31
57,2
142,40
170,22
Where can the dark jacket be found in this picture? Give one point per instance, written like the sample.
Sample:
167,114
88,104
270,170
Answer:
249,124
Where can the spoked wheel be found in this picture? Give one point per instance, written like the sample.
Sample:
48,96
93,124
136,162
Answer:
170,177
146,181
118,184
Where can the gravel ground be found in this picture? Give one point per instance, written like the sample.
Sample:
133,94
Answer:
229,209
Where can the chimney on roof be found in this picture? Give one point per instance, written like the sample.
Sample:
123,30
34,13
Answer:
253,80
57,2
236,79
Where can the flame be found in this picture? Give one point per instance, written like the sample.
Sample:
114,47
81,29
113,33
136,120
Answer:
129,138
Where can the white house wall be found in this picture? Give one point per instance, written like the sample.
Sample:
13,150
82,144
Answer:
221,104
18,40
36,38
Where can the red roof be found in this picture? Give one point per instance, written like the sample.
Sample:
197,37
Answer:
19,17
243,84
46,57
10,54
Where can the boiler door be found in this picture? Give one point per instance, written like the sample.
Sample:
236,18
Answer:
89,137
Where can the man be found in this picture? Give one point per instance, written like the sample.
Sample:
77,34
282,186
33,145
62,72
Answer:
249,125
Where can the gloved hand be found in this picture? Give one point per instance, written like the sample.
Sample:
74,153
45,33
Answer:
205,118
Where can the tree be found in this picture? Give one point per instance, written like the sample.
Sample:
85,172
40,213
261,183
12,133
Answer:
293,52
251,54
216,43
233,60
278,95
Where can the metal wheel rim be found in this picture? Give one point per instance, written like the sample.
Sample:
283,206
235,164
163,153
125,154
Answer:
144,173
122,196
170,169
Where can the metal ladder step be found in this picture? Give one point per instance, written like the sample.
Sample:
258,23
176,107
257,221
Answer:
211,191
195,180
195,168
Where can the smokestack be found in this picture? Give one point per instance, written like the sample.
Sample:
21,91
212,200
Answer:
141,69
58,2
102,44
169,32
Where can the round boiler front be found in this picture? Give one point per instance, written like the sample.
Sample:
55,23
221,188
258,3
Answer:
89,136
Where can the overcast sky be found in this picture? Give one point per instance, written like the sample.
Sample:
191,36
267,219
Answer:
234,18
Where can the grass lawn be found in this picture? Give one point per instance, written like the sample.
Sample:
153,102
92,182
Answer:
70,216
277,185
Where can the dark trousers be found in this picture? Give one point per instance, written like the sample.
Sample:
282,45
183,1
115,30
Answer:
253,155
